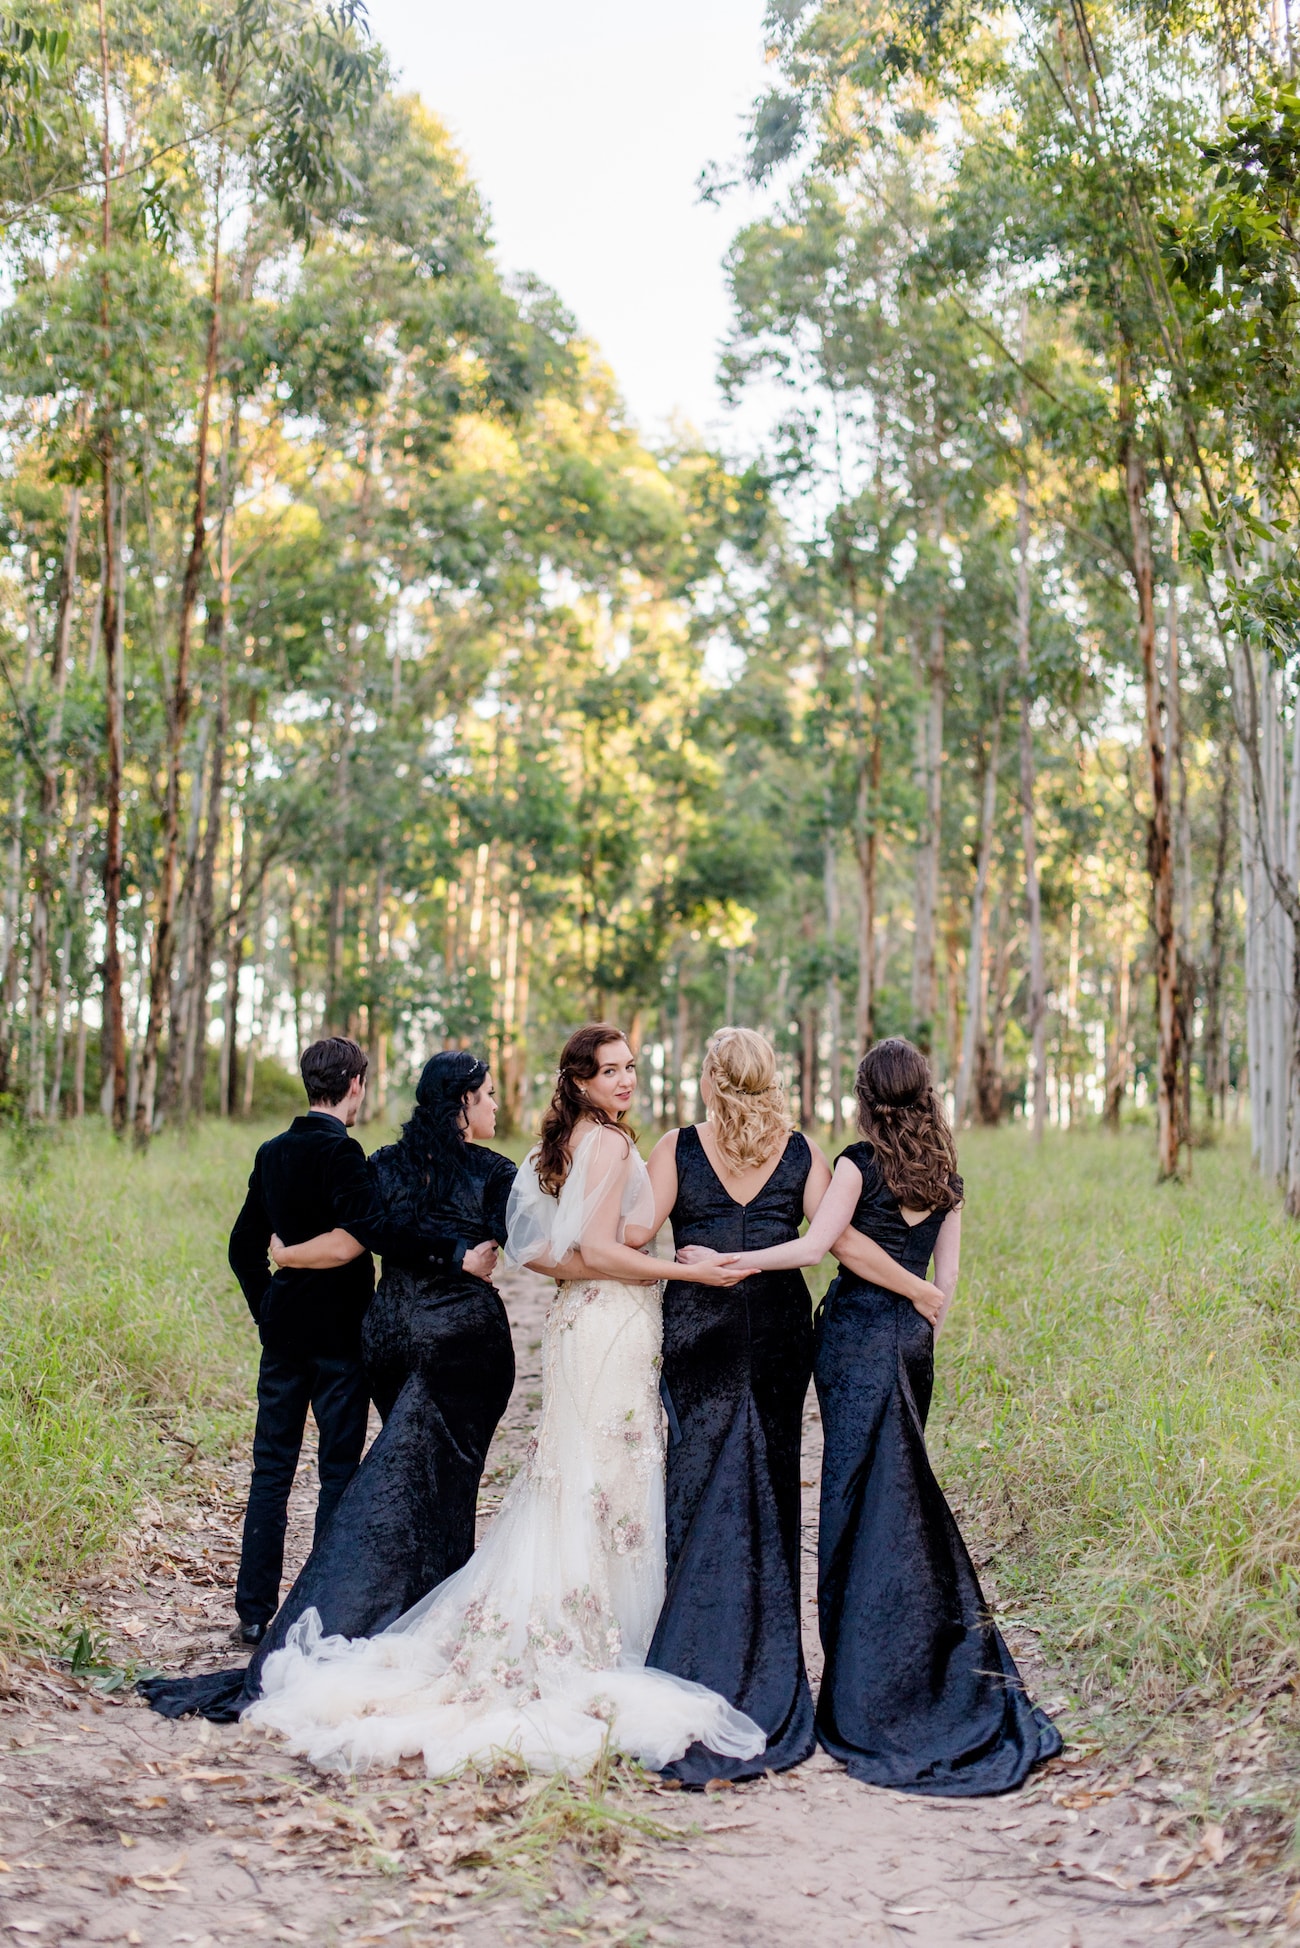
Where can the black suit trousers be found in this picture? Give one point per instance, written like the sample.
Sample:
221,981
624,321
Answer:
335,1390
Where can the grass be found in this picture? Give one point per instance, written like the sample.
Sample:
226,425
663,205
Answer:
1120,1395
1118,1407
126,1350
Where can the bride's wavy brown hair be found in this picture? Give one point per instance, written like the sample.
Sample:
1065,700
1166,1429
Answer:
568,1105
747,1105
901,1116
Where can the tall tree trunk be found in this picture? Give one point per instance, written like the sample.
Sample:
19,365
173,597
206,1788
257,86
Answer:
834,1025
179,705
336,1013
990,1088
1036,1098
71,910
867,830
295,961
679,1043
925,986
1216,1065
257,1001
1272,912
808,1037
205,917
79,1063
218,629
1117,1065
184,990
113,1033
39,963
9,957
1185,965
236,929
1159,849
975,964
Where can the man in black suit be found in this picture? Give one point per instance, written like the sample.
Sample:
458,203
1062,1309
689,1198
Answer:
312,1178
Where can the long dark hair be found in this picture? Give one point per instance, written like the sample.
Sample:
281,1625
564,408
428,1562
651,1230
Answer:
568,1104
430,1153
901,1116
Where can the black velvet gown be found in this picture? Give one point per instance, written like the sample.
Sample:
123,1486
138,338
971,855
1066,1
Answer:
920,1692
736,1369
440,1364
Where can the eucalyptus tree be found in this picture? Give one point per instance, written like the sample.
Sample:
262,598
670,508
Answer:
1063,145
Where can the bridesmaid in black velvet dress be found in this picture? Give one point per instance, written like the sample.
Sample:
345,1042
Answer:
736,1369
920,1692
440,1366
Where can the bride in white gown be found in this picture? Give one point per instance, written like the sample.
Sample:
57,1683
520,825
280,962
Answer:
537,1646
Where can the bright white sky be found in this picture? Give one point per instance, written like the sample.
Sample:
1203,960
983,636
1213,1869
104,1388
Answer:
586,124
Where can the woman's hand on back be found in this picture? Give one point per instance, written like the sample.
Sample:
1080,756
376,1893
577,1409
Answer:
710,1267
930,1302
723,1271
481,1260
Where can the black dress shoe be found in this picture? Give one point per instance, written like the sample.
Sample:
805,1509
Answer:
249,1633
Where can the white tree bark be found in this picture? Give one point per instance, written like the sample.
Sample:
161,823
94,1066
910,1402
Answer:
1270,863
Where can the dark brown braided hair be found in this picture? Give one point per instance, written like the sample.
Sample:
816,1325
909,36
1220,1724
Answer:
901,1116
568,1105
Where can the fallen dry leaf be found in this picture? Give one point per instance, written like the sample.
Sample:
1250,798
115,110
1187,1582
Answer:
1169,1877
1214,1845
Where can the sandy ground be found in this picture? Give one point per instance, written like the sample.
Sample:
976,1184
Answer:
118,1826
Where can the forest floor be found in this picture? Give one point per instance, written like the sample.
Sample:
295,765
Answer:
120,1826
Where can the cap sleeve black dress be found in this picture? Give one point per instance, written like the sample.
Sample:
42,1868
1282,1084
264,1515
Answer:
920,1692
439,1364
736,1370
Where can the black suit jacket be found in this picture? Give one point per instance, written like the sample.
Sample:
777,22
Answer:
309,1179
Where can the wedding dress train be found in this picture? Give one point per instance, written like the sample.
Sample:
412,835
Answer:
537,1646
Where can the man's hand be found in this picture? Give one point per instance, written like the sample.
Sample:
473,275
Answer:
481,1261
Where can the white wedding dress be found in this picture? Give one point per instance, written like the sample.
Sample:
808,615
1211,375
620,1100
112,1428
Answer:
538,1645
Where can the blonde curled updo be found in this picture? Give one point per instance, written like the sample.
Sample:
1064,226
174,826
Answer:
747,1107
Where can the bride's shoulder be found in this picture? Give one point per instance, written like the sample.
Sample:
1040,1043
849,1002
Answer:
608,1142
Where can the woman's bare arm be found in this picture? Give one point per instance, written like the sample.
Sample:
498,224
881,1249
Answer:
833,1213
863,1255
567,1270
609,1258
872,1262
663,1182
329,1249
319,1254
817,1182
947,1262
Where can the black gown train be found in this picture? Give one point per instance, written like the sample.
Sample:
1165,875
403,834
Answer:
736,1368
439,1364
920,1692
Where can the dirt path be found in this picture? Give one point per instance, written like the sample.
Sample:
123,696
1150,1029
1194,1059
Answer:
117,1825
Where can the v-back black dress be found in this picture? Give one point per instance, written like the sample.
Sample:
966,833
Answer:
439,1364
920,1692
736,1369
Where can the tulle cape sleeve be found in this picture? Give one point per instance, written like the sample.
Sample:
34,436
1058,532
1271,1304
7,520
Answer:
542,1229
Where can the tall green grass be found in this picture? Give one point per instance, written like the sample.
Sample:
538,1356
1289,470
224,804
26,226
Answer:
1120,1392
126,1350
